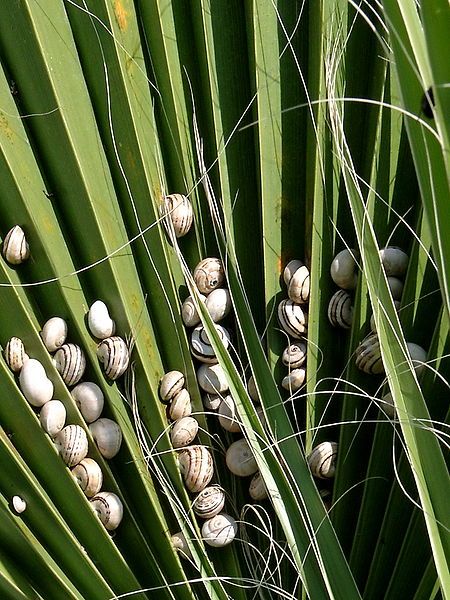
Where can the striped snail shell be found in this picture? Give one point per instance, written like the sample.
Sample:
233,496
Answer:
89,399
343,269
218,304
212,401
209,502
212,379
15,354
298,288
70,362
290,269
395,261
322,460
196,467
209,275
53,417
113,353
372,318
257,488
170,384
292,318
418,356
179,543
294,380
189,313
368,355
89,476
181,405
219,531
34,383
201,347
178,214
228,417
396,286
72,444
252,390
99,322
19,504
15,248
109,509
107,435
54,333
340,309
240,459
183,432
294,355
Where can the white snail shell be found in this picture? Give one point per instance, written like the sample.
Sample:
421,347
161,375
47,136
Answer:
189,313
201,347
34,383
89,476
113,353
218,303
396,287
181,405
418,356
294,355
183,432
19,504
368,355
179,542
298,288
100,323
54,333
72,444
209,275
212,379
290,269
209,502
109,509
107,435
15,354
292,318
219,531
53,417
343,269
322,460
372,318
177,212
257,488
340,309
196,467
240,459
15,248
228,417
70,362
294,380
395,261
89,399
170,384
212,401
252,390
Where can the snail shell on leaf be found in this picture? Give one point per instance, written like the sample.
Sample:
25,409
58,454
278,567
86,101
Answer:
292,318
201,347
34,383
209,502
15,354
340,310
257,488
189,313
196,467
240,459
294,380
212,379
219,531
100,323
15,248
343,269
372,318
53,417
418,356
181,405
218,304
212,401
228,417
107,435
368,355
290,269
89,476
54,333
252,390
18,504
179,542
298,289
113,353
70,362
294,355
178,214
322,460
395,261
109,509
72,444
89,399
396,287
183,432
209,275
170,384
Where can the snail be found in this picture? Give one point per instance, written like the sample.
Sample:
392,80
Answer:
88,474
89,399
19,504
209,502
372,318
228,417
53,417
395,261
219,531
54,333
72,445
34,383
212,401
183,432
396,287
257,488
70,362
201,347
290,269
107,435
170,384
181,405
218,304
298,287
15,248
178,214
322,460
368,355
109,509
196,467
340,309
179,543
113,353
99,322
212,379
189,313
209,275
387,405
252,390
294,355
418,356
15,354
343,269
292,318
240,459
294,380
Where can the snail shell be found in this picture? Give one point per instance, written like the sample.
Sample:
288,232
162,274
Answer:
177,212
34,383
219,531
252,390
209,275
322,460
372,318
240,459
113,353
183,432
212,401
387,405
170,384
100,323
344,269
340,309
181,405
418,356
257,488
15,354
70,362
396,287
218,303
19,504
290,269
189,313
298,288
196,467
15,248
294,380
292,318
294,355
89,476
54,333
368,355
89,399
109,509
179,542
395,261
209,502
53,417
107,435
72,444
201,347
212,379
228,417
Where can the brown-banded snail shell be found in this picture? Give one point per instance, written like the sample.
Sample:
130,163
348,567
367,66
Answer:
294,380
257,488
178,214
292,318
15,247
34,383
183,432
240,459
201,347
89,399
219,531
54,333
294,355
19,504
340,309
418,356
107,435
53,417
209,502
368,355
99,322
252,390
298,288
322,460
72,444
70,362
212,401
109,509
113,353
395,261
181,405
218,304
372,318
89,476
290,269
170,384
179,543
209,275
189,313
212,379
228,417
15,354
196,467
344,270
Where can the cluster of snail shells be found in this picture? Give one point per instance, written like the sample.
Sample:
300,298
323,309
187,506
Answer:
177,214
15,249
344,272
112,350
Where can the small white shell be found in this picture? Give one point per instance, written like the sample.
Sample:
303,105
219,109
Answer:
343,269
368,355
252,391
70,362
54,333
209,502
218,303
113,353
53,417
196,467
107,435
395,261
72,445
292,318
212,401
170,384
418,356
290,269
34,383
294,380
181,405
219,531
228,417
396,287
257,488
189,313
179,542
15,354
183,432
212,379
340,309
19,504
89,399
209,275
201,347
109,509
15,248
240,459
294,355
99,322
178,214
322,460
89,476
298,288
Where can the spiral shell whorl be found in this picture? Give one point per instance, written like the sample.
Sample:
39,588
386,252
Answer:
340,309
15,247
177,212
54,333
322,460
209,502
292,318
89,399
70,362
15,354
219,531
209,275
240,459
170,384
72,444
113,353
109,509
89,476
196,466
